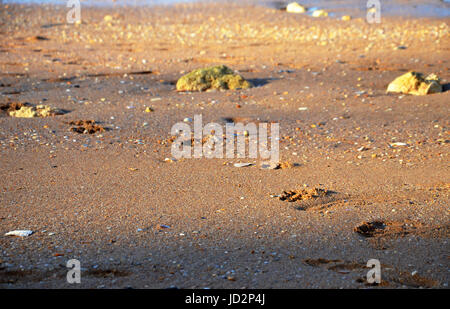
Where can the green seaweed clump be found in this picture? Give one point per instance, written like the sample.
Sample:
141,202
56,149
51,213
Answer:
217,77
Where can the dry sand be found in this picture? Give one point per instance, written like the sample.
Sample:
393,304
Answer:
103,198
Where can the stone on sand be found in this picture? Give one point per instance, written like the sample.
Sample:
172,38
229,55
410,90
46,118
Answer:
416,84
320,13
294,7
216,77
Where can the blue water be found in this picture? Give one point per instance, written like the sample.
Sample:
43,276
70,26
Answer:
439,8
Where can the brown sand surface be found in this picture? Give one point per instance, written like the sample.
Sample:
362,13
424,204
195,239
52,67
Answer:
106,198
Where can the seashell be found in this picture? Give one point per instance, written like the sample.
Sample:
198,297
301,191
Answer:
242,164
20,233
398,144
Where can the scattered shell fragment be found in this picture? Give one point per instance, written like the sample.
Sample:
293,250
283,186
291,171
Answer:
294,7
242,164
398,144
162,226
414,83
362,148
217,77
20,233
276,166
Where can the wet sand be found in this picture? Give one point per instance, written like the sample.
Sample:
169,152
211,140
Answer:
104,198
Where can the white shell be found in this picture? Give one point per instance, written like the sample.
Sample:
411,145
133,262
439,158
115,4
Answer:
242,164
20,233
399,144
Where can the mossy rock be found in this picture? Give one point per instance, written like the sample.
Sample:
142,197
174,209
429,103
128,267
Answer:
217,77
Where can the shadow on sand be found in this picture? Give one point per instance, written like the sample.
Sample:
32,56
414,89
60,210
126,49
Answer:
259,82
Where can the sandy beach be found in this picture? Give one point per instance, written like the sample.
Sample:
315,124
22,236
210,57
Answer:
114,199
